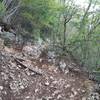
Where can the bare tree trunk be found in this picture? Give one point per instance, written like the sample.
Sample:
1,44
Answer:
7,3
12,7
64,36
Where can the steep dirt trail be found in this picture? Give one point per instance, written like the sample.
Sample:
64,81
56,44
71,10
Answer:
22,83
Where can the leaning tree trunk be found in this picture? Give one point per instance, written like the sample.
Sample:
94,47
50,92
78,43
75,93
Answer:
14,17
11,13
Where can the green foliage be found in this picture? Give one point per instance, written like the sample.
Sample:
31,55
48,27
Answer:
2,9
66,25
40,13
85,44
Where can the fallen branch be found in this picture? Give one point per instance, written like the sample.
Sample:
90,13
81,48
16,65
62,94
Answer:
20,59
29,67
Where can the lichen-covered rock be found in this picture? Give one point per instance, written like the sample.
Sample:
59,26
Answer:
93,96
8,37
32,51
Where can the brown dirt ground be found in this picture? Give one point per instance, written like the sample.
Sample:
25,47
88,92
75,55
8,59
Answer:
53,84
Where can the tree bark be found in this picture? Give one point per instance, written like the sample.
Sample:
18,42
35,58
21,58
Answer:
12,8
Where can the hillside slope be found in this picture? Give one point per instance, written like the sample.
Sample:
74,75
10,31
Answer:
32,75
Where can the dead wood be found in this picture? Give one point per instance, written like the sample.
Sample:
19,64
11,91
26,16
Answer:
29,67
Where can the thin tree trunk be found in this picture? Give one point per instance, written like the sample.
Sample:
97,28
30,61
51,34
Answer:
64,35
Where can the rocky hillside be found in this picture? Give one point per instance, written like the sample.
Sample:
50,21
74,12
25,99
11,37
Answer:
38,74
